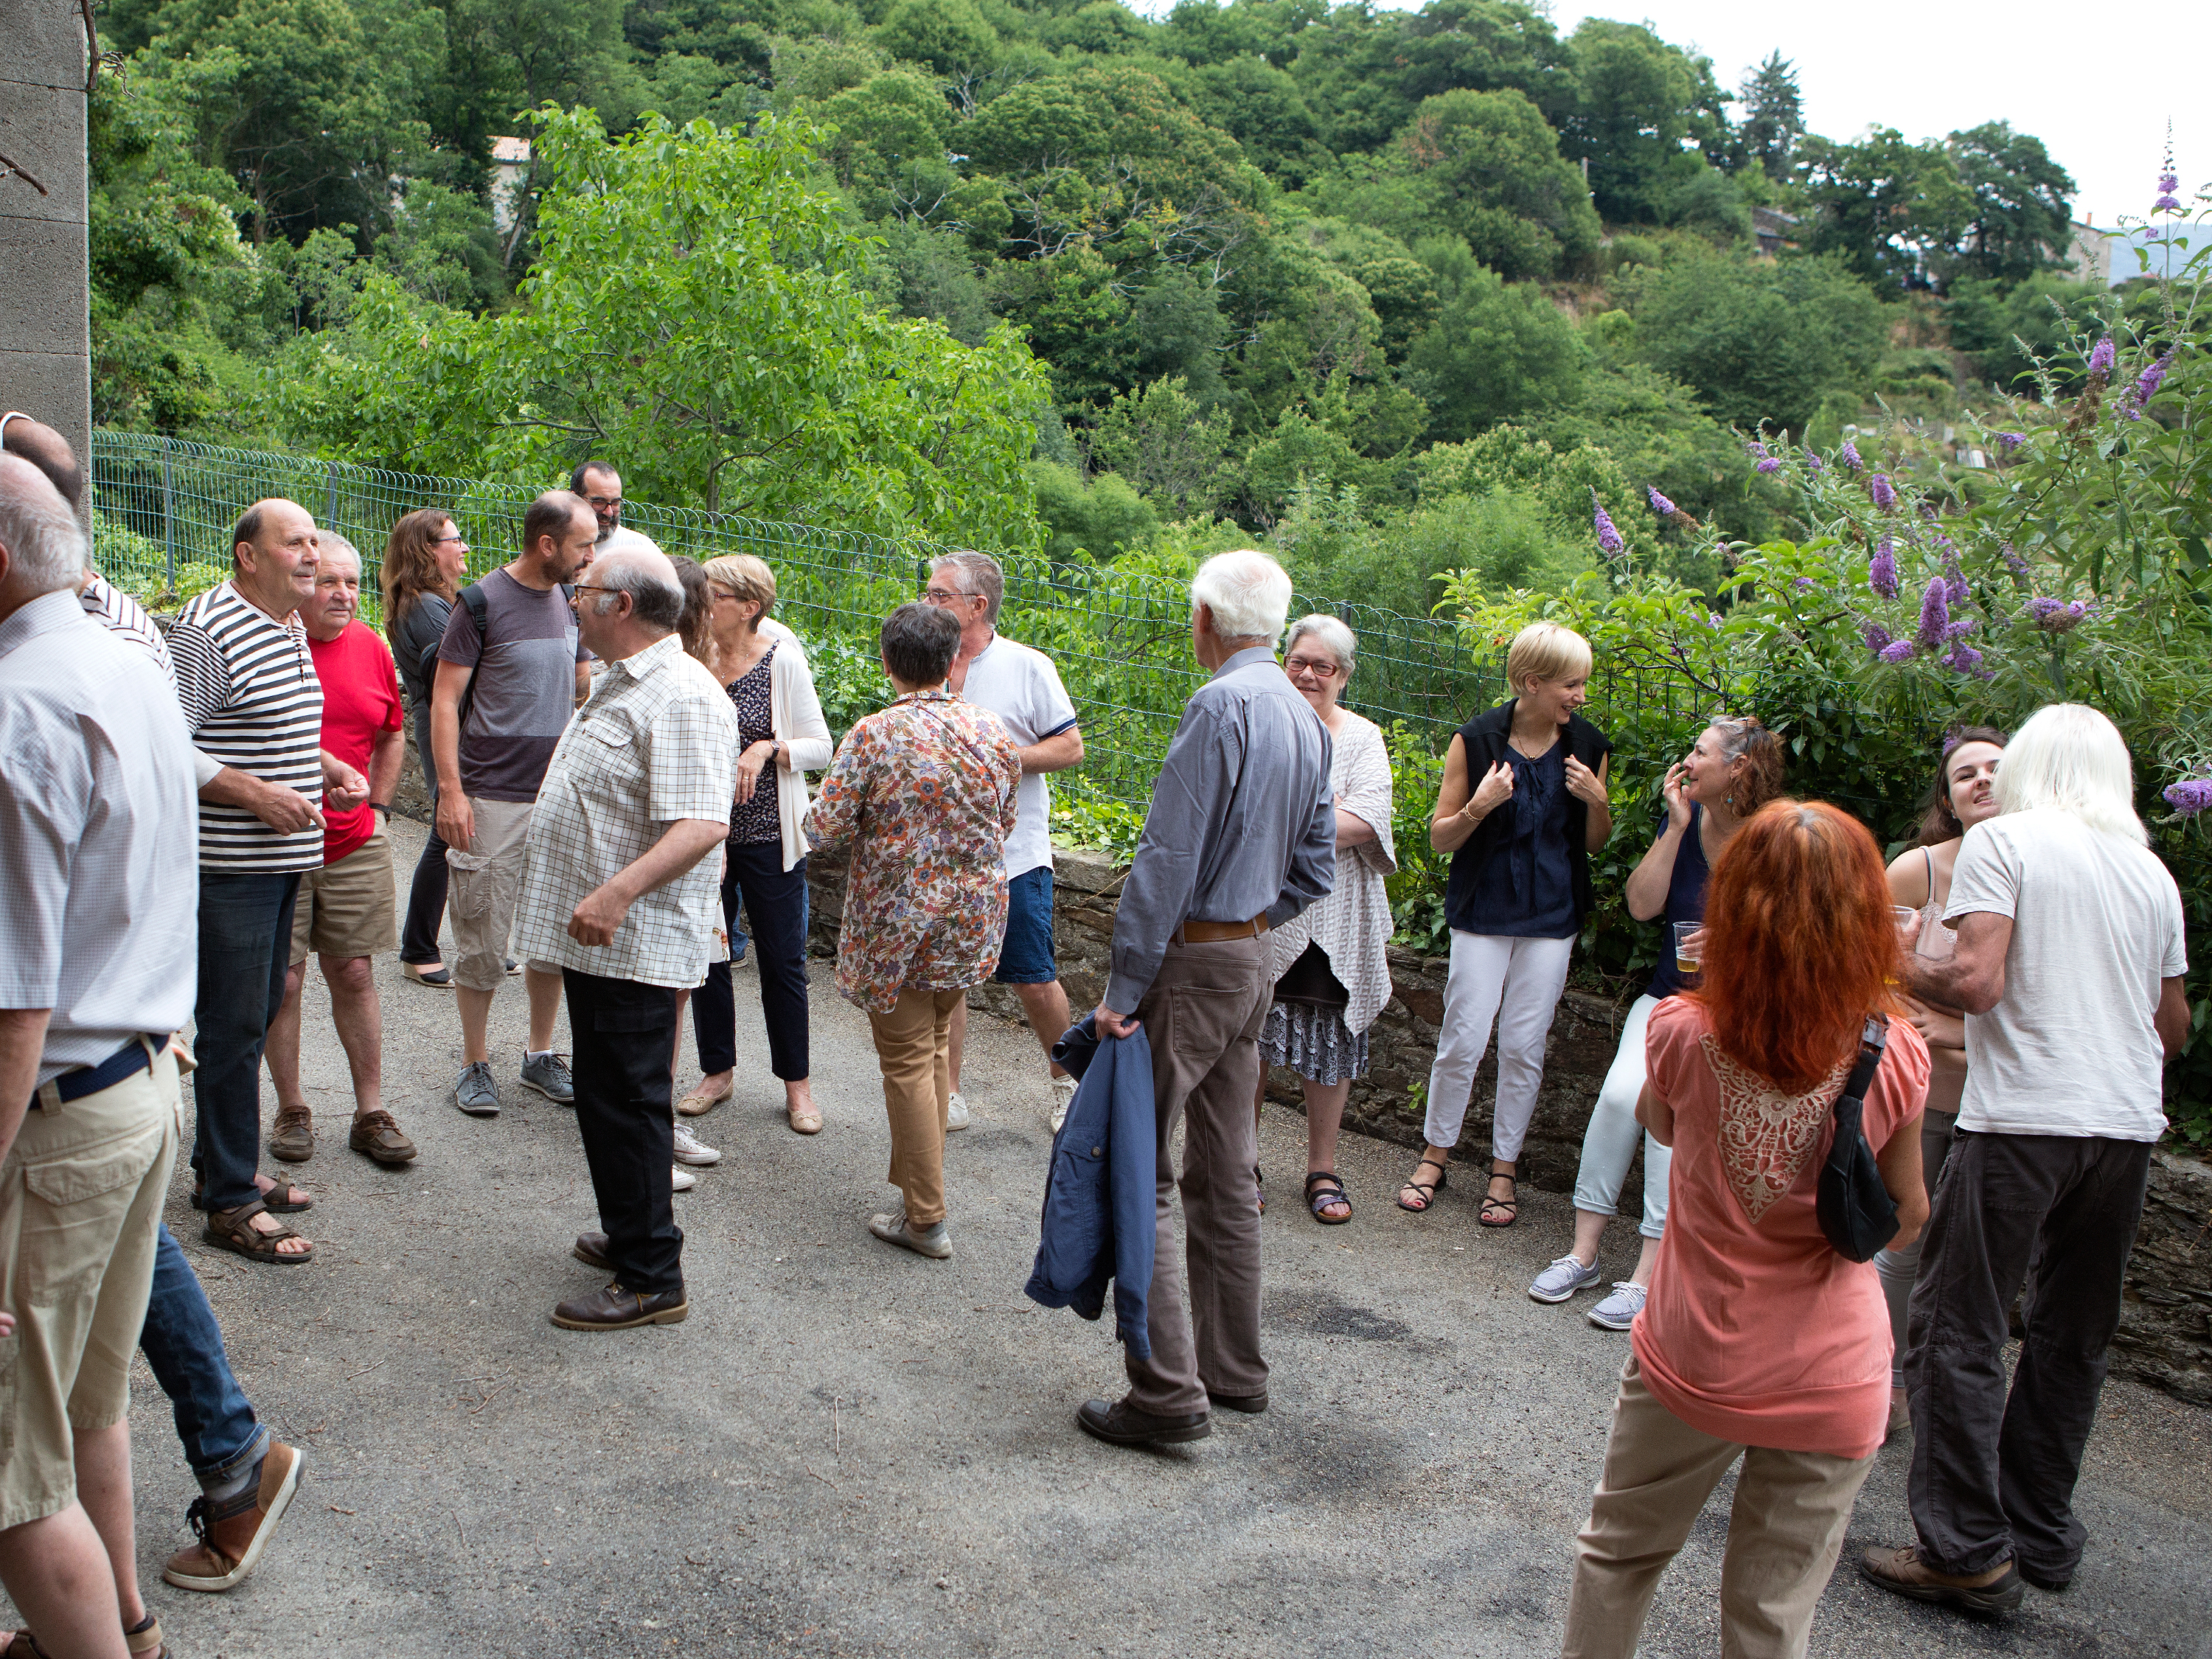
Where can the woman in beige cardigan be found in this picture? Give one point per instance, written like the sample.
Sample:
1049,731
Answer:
782,737
1330,973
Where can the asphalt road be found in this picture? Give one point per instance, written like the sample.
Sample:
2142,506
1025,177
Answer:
848,1450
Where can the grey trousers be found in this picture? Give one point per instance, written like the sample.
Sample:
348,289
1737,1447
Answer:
1202,1017
1899,1270
1993,1476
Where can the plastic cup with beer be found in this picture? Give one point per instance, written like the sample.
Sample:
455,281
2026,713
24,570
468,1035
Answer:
1686,954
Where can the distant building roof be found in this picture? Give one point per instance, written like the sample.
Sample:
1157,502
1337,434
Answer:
510,149
2104,254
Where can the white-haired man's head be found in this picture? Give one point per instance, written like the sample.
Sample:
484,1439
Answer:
45,544
1247,595
2069,757
650,581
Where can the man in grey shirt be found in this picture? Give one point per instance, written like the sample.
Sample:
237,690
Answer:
1241,837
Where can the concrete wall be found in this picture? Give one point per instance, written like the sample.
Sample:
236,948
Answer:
46,339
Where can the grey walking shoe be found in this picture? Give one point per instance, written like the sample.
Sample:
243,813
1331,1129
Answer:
1562,1279
935,1242
1618,1311
475,1092
548,1074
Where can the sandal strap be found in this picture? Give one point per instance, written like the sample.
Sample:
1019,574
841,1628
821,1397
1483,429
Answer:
1329,1176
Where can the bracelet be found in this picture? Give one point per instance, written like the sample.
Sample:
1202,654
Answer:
383,806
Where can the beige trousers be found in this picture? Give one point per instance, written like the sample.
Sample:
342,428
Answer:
912,1047
1784,1532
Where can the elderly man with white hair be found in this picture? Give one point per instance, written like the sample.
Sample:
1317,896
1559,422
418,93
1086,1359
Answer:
619,897
1241,838
2069,963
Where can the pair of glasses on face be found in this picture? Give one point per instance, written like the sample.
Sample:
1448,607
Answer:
440,541
945,595
1320,667
604,503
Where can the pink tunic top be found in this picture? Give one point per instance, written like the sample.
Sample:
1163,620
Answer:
1756,1331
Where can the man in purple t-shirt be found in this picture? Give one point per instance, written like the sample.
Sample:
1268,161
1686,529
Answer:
522,675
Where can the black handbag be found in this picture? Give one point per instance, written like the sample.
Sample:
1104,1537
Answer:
1855,1210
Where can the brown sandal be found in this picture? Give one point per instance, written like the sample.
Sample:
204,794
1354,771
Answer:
233,1230
1427,1189
145,1642
1509,1207
289,1204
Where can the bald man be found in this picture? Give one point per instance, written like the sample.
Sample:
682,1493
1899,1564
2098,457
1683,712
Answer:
619,893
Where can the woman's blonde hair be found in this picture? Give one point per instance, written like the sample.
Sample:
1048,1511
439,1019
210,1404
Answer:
1545,651
745,578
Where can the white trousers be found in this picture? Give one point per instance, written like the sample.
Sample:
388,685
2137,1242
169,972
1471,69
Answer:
1609,1145
1515,984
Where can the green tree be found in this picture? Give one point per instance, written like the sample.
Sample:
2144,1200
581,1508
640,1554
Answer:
1641,105
1167,444
2022,217
1890,210
1498,180
1773,117
1497,351
696,311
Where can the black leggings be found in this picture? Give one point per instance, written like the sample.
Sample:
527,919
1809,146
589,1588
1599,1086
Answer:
775,911
426,905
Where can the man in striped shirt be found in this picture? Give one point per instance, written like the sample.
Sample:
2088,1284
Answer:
253,704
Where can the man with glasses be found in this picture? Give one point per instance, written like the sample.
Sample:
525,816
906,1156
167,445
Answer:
1023,689
511,650
600,486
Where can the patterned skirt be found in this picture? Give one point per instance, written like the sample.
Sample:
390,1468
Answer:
1315,1042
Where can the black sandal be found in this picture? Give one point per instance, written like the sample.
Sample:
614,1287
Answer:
1334,1192
1511,1206
1428,1190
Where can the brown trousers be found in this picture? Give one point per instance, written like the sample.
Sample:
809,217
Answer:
912,1049
1785,1530
1202,1017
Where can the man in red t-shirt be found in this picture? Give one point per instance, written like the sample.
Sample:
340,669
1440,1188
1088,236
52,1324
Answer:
346,911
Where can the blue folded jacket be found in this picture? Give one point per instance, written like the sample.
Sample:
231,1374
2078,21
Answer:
1100,1198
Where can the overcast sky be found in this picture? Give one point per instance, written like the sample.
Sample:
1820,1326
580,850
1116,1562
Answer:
2096,83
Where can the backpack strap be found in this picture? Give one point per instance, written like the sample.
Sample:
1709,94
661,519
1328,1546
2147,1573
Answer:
479,607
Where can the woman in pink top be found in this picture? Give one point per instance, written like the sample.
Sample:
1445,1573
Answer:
1759,1341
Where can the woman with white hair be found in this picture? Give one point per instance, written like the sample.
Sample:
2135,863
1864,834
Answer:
1328,965
1523,806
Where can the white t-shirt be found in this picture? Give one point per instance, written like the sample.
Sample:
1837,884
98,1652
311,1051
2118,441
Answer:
1023,689
2069,1049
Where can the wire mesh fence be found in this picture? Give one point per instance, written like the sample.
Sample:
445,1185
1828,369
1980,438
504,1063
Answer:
165,509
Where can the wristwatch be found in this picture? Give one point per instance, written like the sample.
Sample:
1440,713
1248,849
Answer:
383,806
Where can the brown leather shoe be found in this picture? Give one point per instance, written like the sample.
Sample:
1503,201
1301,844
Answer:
592,1249
232,1542
1902,1573
1122,1425
611,1308
292,1139
376,1135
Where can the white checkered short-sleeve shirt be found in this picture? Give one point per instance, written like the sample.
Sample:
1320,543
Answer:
656,743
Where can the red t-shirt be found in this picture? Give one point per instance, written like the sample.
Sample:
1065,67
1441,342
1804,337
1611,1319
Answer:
1756,1331
361,700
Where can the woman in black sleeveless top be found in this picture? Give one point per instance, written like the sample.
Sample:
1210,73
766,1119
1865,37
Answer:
1523,806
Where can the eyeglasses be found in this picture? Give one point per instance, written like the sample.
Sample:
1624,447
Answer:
604,502
440,541
1320,667
582,588
945,595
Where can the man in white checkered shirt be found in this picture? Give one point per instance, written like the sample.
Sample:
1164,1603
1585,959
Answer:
619,895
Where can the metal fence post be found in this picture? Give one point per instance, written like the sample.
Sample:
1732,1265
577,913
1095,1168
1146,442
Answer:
168,530
330,504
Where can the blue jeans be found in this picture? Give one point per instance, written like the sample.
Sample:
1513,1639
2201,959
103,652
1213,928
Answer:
183,1345
245,947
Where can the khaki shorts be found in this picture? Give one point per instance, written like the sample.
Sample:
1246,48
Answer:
348,909
486,886
81,1196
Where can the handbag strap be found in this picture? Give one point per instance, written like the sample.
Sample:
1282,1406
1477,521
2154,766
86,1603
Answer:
1872,1042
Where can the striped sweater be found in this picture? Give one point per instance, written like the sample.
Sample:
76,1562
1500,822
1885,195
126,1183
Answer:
250,697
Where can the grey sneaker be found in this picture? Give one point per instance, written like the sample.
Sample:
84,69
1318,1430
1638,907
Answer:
956,1114
935,1242
1618,1311
1562,1279
1063,1093
474,1092
548,1074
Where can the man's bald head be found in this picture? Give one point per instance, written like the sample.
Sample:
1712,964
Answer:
41,536
48,451
656,592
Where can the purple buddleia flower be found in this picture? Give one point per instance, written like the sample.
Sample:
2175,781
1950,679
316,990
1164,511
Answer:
2169,181
1767,463
1885,497
1849,455
2057,616
2189,797
1712,619
2101,356
2147,385
2009,441
1935,614
1878,639
1803,582
1954,580
1608,538
1960,628
1660,504
1965,660
2166,204
1813,463
1899,651
1882,569
2013,562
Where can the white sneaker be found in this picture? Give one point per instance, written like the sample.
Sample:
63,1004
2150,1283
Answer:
1063,1092
956,1114
680,1179
689,1150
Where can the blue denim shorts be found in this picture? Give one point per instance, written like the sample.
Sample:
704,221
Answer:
1025,953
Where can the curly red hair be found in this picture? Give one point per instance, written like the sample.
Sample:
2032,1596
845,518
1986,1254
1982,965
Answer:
1800,944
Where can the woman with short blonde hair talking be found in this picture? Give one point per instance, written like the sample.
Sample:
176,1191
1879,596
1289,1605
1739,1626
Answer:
1523,806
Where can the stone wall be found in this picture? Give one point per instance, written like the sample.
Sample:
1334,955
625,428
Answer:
2165,1338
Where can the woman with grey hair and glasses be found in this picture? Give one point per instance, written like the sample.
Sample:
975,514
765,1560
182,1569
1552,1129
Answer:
1328,964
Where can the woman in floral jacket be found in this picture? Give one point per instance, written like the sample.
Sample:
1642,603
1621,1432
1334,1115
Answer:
924,792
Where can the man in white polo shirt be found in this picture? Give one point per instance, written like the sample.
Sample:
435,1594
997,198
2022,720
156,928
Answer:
1023,689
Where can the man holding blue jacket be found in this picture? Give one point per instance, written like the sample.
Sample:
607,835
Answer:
1241,837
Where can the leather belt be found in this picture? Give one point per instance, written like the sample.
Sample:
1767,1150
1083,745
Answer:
1212,933
133,1057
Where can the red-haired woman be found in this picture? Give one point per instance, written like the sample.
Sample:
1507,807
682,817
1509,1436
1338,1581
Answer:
1759,1341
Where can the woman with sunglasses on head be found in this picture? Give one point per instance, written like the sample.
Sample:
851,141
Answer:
425,564
1733,769
1963,794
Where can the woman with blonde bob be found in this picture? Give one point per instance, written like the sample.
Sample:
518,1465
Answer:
1759,1342
1523,806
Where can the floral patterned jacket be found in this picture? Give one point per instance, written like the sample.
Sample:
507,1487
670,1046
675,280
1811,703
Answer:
924,792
